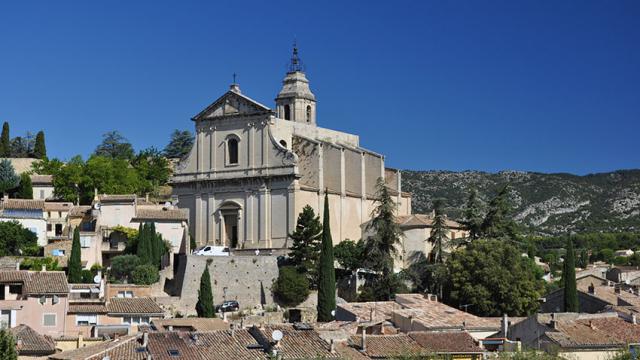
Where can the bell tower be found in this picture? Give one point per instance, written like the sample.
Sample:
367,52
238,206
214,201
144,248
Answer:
295,101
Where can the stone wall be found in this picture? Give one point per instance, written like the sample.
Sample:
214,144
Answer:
247,279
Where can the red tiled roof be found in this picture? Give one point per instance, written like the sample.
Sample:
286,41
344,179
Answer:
295,344
117,198
609,331
124,348
455,342
436,315
215,345
386,346
161,214
42,179
38,282
23,204
134,306
87,309
29,342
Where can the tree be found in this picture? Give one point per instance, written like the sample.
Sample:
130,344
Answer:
498,223
122,267
472,215
5,141
291,287
9,180
114,146
22,147
204,306
349,254
145,245
180,144
75,264
145,274
40,149
326,272
493,278
25,189
7,346
305,249
439,231
15,239
569,280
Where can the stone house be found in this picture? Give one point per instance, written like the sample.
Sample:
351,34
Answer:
56,214
42,187
29,213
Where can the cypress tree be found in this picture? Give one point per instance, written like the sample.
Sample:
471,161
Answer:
569,280
40,149
204,306
154,245
144,245
326,272
5,141
7,346
74,266
25,189
472,215
439,231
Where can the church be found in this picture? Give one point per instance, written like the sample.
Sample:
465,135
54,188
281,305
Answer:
253,169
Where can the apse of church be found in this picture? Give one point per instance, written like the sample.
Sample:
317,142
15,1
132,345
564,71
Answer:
253,169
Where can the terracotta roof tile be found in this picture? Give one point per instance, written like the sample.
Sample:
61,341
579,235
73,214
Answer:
455,342
595,332
196,324
124,348
42,179
161,214
87,308
296,343
23,204
79,211
215,345
29,342
117,197
58,206
386,346
36,283
133,306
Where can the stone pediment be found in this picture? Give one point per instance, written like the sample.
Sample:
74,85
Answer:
232,104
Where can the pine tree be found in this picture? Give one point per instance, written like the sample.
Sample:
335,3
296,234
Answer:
7,346
569,280
305,249
74,267
326,272
40,149
204,306
498,223
472,215
25,189
439,231
5,141
9,180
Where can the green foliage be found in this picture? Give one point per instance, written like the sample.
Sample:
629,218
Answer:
569,280
349,254
153,169
9,180
426,277
87,276
494,278
382,288
291,287
326,271
114,146
40,149
25,189
145,275
14,238
526,355
74,274
180,144
5,141
305,249
473,215
7,346
192,242
122,267
498,223
149,245
439,231
36,263
204,306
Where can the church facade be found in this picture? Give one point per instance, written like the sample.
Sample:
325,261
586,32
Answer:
252,170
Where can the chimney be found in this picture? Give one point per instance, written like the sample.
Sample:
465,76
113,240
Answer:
592,289
332,346
145,339
80,340
5,197
44,267
363,344
18,265
634,319
553,323
617,289
505,325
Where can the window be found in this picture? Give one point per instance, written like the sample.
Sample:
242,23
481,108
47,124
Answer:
86,319
57,252
49,227
287,112
232,148
125,294
136,320
49,319
308,113
85,241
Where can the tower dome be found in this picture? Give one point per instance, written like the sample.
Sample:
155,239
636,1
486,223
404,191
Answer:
295,101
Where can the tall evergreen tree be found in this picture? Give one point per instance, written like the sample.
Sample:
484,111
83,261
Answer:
5,141
204,306
7,346
145,251
569,280
9,180
25,189
305,249
155,245
180,144
326,271
472,215
74,266
498,223
40,149
439,231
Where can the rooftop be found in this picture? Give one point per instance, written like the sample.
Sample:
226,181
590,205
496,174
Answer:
124,348
195,324
37,282
446,342
29,342
594,332
42,179
161,214
385,346
22,204
141,305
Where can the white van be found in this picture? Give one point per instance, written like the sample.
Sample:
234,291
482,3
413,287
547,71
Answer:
210,250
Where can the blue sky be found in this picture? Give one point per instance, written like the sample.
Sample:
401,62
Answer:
488,85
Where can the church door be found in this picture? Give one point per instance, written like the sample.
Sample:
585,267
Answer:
231,230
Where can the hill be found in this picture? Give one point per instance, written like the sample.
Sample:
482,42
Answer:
544,203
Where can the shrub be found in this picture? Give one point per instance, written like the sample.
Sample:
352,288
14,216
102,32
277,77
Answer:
87,276
145,275
122,267
35,264
290,288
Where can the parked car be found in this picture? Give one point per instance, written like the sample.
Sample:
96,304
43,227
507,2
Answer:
228,306
210,250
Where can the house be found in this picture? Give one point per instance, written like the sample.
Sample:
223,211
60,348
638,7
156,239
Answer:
127,291
131,312
29,213
30,344
623,253
42,187
36,299
56,214
189,324
623,274
594,295
574,335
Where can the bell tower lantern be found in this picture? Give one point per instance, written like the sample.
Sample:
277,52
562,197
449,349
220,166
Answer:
295,101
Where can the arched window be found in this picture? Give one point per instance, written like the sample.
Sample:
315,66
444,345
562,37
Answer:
287,112
308,113
232,150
